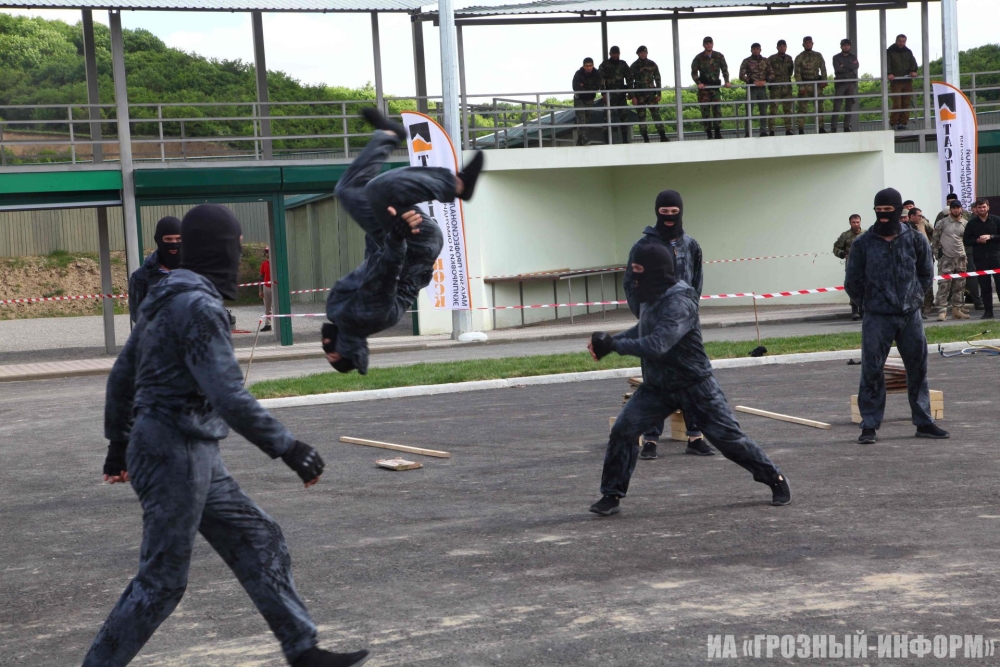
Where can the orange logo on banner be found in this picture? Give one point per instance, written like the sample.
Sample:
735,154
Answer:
421,146
438,280
945,114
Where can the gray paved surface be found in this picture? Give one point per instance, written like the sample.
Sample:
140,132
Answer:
490,557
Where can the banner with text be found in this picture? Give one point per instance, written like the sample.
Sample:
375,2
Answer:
958,152
429,146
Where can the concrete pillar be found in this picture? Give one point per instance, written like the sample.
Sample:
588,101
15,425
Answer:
131,221
852,26
949,41
419,62
260,66
377,55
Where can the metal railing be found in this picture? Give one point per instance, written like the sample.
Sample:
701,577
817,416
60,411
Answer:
334,129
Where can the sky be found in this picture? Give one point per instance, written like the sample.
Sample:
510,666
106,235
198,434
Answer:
336,49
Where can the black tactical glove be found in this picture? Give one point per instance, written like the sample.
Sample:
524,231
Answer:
400,230
304,460
602,344
330,333
114,463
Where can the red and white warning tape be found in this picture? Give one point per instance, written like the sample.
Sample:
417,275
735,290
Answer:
814,255
78,297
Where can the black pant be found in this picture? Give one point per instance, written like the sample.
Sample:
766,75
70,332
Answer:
986,289
878,332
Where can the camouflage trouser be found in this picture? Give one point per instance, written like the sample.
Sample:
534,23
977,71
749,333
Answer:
780,96
642,103
844,89
707,405
705,96
185,489
584,111
757,94
950,291
808,91
878,331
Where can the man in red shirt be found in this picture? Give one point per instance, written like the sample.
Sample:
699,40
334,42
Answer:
265,287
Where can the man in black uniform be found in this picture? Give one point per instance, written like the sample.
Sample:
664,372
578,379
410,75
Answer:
160,262
982,234
173,394
586,83
888,271
678,375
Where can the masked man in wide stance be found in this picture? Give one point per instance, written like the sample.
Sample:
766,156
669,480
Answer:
404,243
677,375
174,392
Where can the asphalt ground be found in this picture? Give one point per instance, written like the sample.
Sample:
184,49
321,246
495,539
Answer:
491,558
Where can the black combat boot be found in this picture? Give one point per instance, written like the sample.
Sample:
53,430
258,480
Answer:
606,506
932,431
781,493
802,130
645,137
648,450
709,134
663,137
867,437
317,657
718,133
698,447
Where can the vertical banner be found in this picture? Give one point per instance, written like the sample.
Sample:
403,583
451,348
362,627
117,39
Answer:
429,146
957,143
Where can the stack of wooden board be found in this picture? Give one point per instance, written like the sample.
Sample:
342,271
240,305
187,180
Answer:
895,377
937,406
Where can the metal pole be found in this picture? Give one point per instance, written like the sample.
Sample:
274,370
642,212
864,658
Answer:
260,66
604,35
124,144
419,62
885,69
461,320
925,37
103,236
461,84
377,54
949,41
852,27
678,89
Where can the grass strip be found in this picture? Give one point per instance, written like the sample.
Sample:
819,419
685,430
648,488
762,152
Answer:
549,364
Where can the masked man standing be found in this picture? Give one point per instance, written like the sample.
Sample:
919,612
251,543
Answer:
888,272
173,394
669,232
678,375
160,262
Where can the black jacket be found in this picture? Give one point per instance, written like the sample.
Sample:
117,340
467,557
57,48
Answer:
140,281
889,277
687,264
985,255
582,81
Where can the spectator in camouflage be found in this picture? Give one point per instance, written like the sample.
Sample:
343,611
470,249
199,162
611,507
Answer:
756,73
842,249
616,75
646,75
782,67
707,70
810,67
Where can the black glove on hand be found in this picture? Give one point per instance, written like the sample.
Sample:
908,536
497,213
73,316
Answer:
304,460
329,332
114,463
400,231
602,344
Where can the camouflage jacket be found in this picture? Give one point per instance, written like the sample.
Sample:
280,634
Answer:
782,66
616,74
842,246
646,74
706,68
810,66
756,68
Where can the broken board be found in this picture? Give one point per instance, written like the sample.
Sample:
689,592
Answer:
398,464
784,418
398,448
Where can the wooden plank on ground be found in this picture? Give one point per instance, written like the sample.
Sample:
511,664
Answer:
398,448
784,418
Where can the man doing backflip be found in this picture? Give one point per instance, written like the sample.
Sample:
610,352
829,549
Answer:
678,375
173,394
403,243
888,271
669,232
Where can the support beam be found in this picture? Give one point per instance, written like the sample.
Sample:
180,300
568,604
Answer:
604,36
280,286
419,63
883,56
852,27
132,251
949,41
925,37
678,87
461,320
103,236
260,67
377,55
461,85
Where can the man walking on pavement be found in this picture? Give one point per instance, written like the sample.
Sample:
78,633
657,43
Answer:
842,250
949,248
616,77
756,73
810,72
782,68
888,271
586,83
646,76
983,234
845,87
902,68
706,70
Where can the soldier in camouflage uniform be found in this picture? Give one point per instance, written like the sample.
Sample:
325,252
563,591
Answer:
782,67
617,75
706,69
842,249
646,75
756,73
810,67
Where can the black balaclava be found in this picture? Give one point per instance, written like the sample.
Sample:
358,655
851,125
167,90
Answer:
657,277
676,230
168,226
211,246
887,224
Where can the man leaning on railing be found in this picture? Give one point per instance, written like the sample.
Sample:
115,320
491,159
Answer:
756,73
706,69
902,68
810,72
587,79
